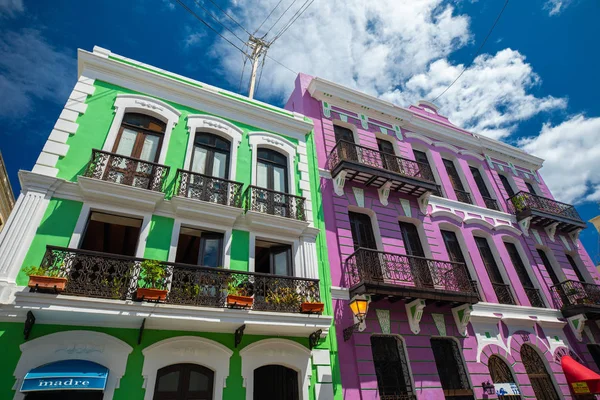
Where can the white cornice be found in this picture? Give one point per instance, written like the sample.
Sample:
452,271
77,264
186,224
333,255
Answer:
324,90
510,313
171,87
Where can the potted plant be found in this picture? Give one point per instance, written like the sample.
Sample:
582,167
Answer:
153,280
283,297
310,306
46,278
239,293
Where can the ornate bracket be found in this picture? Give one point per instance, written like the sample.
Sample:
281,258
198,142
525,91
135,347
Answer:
364,121
141,331
462,316
338,183
29,322
575,236
577,323
239,334
423,201
524,225
327,109
513,169
313,339
349,331
414,310
398,132
384,193
551,230
489,161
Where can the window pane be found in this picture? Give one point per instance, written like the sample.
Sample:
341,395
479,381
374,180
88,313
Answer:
210,252
261,175
150,148
126,142
198,382
220,165
199,160
279,179
169,382
280,259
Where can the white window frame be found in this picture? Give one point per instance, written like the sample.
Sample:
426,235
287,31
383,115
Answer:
92,346
298,270
186,350
217,126
274,142
126,103
204,226
276,352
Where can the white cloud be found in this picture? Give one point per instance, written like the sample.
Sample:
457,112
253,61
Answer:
31,68
193,39
572,153
9,8
555,7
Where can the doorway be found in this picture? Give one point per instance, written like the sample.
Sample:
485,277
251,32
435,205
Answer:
184,382
275,382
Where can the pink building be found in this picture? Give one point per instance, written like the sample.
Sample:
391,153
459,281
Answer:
475,276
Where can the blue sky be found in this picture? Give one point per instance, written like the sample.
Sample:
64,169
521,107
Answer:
535,84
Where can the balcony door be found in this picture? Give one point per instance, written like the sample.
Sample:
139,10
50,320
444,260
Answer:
184,382
391,367
210,159
532,293
418,264
273,258
389,160
483,190
502,290
111,234
506,184
501,373
272,174
202,248
363,236
455,254
140,137
421,158
459,189
346,151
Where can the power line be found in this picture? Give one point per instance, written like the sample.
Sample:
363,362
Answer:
181,3
262,67
217,20
278,19
476,53
291,22
288,68
265,20
229,16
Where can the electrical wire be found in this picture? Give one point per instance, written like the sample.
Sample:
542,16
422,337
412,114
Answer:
265,20
217,20
262,67
230,17
286,67
298,15
181,3
278,19
476,53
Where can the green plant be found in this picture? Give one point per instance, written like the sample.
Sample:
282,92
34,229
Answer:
237,286
115,286
153,274
52,271
519,202
287,296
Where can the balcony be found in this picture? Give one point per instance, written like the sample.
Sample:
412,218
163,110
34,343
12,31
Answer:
545,212
574,297
490,203
277,212
534,297
109,276
208,198
397,276
463,197
503,293
371,167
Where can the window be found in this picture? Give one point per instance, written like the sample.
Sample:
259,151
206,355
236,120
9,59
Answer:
418,264
140,136
502,290
362,231
211,155
388,157
575,268
342,133
548,266
453,248
275,382
485,193
530,188
594,350
501,373
198,247
183,382
421,157
273,258
391,366
272,170
112,234
347,149
459,189
451,369
541,382
530,290
509,190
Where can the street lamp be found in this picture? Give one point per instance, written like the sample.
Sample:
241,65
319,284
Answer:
359,306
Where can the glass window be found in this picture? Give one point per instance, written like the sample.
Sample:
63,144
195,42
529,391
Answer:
112,234
140,137
459,189
184,382
391,367
197,247
509,190
480,182
211,155
273,258
342,133
272,170
362,231
412,241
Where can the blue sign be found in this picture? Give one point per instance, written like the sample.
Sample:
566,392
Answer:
66,375
507,389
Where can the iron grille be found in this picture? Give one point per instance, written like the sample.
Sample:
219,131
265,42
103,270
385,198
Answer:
534,297
503,293
128,171
275,203
451,369
571,293
208,188
542,384
463,197
348,151
391,368
490,203
523,201
108,276
367,265
501,373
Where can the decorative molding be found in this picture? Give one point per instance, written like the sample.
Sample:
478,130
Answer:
447,214
340,293
423,201
421,138
440,323
472,154
326,109
577,323
359,196
364,121
574,235
414,311
405,204
446,146
278,143
551,231
513,169
398,132
508,228
524,225
384,193
489,161
383,316
478,221
462,316
338,183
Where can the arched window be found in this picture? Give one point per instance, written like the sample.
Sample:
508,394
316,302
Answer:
451,369
184,382
275,382
211,155
501,373
541,382
140,136
272,170
391,367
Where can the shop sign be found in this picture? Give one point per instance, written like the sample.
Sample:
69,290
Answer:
580,388
507,389
42,384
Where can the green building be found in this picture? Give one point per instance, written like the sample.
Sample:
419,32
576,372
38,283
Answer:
168,244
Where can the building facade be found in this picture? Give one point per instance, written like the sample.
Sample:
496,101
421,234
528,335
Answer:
7,198
476,281
180,226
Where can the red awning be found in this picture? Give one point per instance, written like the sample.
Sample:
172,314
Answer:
578,375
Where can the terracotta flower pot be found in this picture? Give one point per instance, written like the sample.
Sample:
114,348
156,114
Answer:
239,301
47,282
151,294
309,307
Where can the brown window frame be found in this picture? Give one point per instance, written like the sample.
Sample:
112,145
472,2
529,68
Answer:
141,135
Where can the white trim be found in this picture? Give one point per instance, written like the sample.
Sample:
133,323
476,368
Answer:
340,293
296,253
447,146
218,126
125,103
472,154
186,350
276,352
97,347
442,206
424,139
478,221
279,144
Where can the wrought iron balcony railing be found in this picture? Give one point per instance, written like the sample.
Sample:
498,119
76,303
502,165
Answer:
367,266
523,203
490,203
348,151
129,171
463,197
503,293
109,276
275,203
208,188
534,297
574,294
